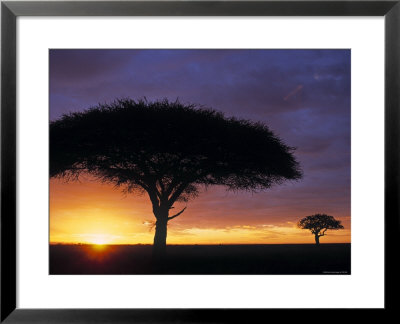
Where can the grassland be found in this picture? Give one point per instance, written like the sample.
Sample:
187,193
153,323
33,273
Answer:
201,259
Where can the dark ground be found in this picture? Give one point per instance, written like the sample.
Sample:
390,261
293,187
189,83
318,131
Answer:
202,259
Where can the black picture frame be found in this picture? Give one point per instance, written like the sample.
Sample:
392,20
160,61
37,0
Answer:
10,10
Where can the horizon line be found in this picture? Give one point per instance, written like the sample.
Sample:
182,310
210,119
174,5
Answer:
151,244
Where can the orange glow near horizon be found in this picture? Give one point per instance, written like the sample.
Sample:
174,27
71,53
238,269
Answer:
87,212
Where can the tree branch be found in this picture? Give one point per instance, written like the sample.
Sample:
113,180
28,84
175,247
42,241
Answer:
157,192
171,186
162,187
176,215
153,198
323,232
177,193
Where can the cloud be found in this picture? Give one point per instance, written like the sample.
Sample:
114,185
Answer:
293,92
288,233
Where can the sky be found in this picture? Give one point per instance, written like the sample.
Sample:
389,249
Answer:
302,95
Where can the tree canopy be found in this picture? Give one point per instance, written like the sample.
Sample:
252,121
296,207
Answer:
168,148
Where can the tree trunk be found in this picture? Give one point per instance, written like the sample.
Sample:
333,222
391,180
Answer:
160,237
316,239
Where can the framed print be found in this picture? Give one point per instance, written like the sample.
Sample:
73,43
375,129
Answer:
198,161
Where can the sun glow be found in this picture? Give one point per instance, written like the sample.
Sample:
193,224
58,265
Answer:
99,239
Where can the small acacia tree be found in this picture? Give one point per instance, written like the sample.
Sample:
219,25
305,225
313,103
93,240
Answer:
318,224
167,150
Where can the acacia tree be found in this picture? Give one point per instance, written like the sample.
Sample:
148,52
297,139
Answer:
318,224
167,150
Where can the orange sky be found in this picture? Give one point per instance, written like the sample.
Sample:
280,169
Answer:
89,212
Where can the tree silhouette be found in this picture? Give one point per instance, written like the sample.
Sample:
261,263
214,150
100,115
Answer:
318,224
167,150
